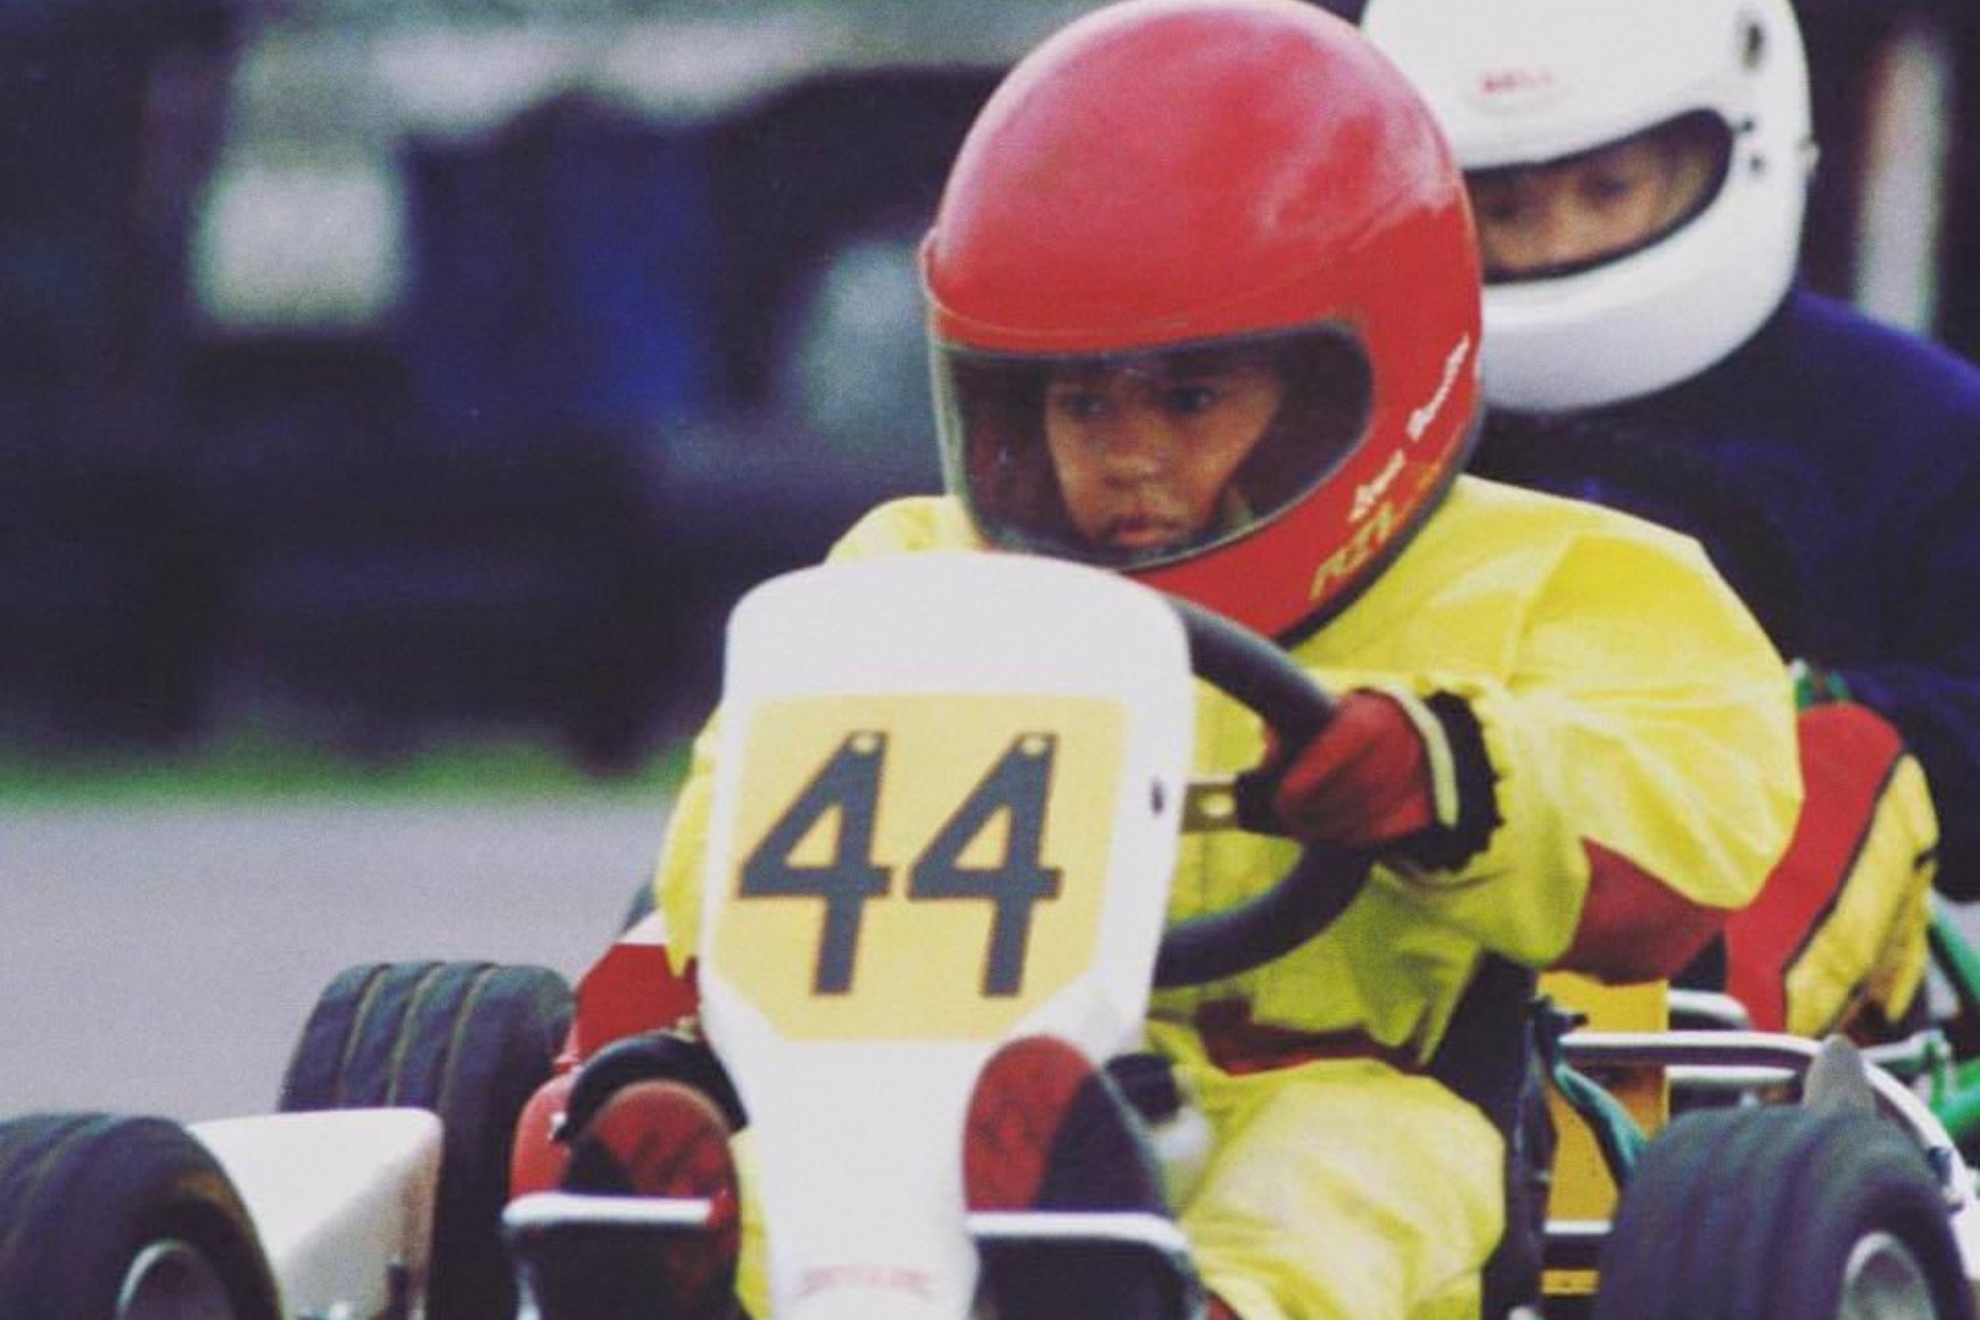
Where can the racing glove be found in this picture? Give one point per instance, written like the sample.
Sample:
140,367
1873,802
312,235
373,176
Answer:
1391,775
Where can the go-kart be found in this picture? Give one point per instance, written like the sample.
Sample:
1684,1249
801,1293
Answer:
949,794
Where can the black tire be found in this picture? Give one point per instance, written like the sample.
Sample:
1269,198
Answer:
469,1041
108,1218
1739,1213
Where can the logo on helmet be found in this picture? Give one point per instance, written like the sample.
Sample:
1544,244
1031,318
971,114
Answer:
1366,495
1511,90
1344,563
1421,418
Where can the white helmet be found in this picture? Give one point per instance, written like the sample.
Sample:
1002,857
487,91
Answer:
1526,82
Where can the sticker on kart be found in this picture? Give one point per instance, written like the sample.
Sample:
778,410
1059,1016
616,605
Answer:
918,867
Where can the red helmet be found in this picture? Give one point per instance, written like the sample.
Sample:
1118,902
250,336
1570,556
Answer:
1168,187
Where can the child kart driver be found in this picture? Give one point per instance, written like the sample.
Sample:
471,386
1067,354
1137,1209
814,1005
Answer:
1204,308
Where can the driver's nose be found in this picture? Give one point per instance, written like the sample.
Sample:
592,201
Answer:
1137,443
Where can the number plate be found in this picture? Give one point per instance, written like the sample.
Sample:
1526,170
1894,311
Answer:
917,867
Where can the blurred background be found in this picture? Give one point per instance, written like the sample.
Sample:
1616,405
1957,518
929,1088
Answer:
398,393
378,373
382,372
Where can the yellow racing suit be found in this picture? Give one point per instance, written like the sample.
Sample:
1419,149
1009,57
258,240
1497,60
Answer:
1640,732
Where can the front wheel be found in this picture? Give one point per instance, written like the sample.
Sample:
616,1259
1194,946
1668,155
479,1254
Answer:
470,1042
108,1218
1782,1212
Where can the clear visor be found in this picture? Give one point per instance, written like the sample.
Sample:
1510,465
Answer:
1558,217
1141,458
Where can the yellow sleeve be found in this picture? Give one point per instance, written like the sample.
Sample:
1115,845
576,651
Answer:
1643,741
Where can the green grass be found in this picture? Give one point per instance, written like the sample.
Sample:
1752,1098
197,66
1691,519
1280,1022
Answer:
260,765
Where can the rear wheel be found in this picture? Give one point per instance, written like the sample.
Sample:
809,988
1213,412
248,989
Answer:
105,1218
1783,1212
469,1041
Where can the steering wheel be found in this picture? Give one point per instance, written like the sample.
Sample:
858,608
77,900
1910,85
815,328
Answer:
1325,879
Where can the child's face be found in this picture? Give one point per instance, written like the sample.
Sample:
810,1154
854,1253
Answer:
1579,210
1144,452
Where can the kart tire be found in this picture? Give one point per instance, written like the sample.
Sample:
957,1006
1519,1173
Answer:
469,1041
111,1218
1782,1212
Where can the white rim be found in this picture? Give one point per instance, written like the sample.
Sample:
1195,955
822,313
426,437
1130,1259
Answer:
170,1280
1882,1280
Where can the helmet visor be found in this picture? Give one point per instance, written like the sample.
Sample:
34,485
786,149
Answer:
1558,217
1145,457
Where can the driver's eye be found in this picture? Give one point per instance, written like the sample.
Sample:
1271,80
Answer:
1079,405
1191,400
1499,206
1609,188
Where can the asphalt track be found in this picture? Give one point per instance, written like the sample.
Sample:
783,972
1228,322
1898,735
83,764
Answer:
161,960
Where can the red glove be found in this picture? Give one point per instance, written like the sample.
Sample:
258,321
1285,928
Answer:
1364,782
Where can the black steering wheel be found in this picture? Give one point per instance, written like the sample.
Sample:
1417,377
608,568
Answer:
1325,879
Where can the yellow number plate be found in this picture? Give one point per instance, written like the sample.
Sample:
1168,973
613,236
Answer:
918,867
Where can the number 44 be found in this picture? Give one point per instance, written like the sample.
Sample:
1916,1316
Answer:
1016,787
